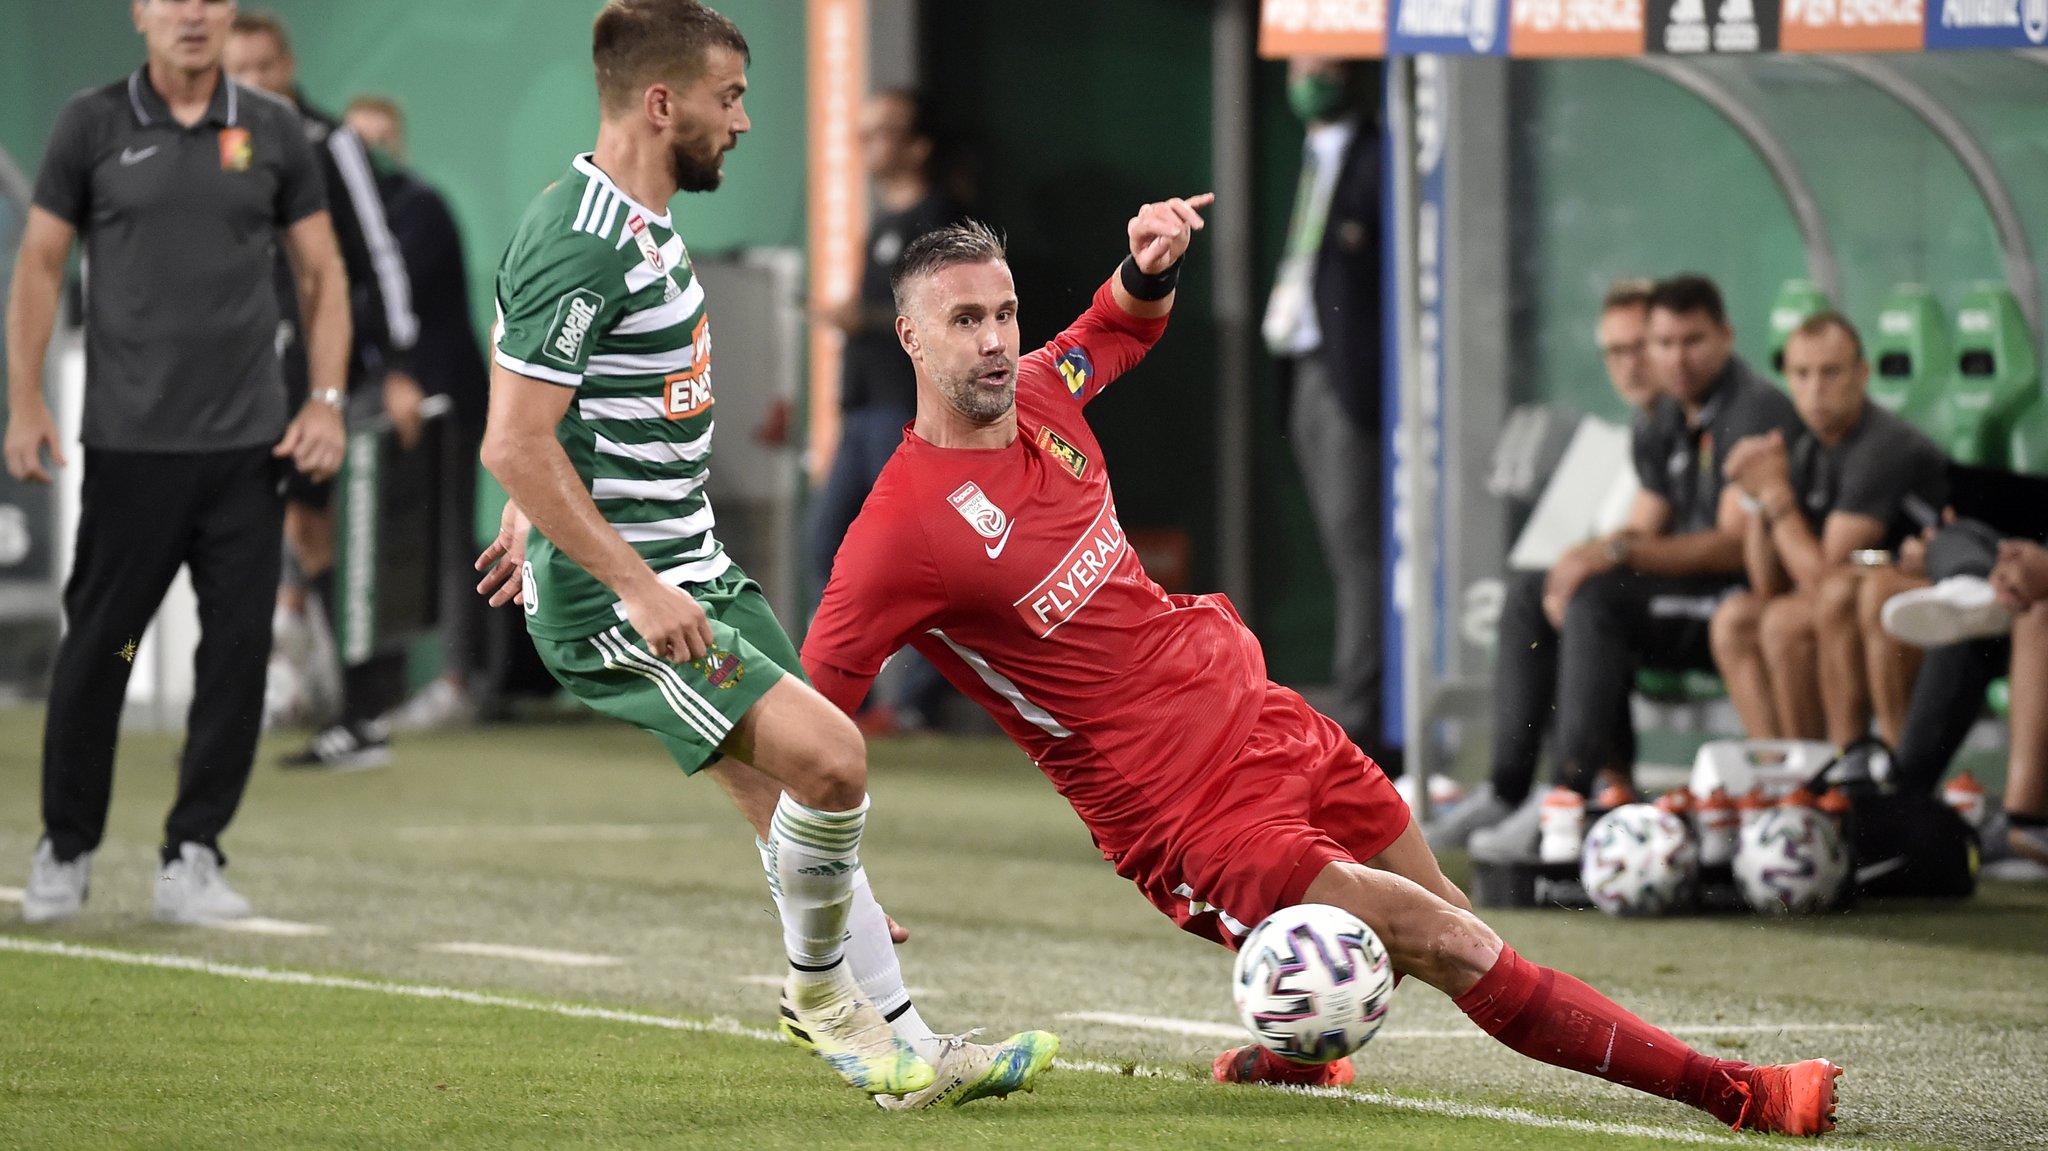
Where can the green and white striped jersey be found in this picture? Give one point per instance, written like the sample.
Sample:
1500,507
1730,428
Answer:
596,293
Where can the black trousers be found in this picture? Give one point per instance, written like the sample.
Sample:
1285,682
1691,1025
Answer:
1947,699
142,516
1581,677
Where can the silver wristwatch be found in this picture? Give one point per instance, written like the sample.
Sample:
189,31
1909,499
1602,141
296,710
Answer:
333,397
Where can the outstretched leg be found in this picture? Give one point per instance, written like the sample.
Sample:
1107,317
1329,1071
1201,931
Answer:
1549,1015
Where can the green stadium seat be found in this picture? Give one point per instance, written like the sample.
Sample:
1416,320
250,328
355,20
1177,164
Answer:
1679,687
2028,450
1997,376
1910,357
1797,301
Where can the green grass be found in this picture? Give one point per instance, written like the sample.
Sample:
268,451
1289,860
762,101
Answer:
575,836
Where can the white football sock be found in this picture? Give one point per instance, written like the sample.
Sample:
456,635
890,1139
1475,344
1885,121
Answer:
871,960
815,855
871,955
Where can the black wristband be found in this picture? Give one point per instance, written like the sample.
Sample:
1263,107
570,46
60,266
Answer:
1148,287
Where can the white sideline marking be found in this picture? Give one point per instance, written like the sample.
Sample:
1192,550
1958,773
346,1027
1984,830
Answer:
257,925
723,1026
553,832
526,954
1202,1029
776,982
11,894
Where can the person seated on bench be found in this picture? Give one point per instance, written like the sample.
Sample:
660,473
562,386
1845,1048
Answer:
1825,511
1571,640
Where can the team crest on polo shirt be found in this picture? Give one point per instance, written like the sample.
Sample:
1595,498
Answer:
1070,457
236,152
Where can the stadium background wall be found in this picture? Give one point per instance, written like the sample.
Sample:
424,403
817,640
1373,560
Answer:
1067,134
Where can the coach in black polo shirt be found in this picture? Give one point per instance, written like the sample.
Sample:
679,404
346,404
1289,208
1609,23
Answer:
182,185
1571,641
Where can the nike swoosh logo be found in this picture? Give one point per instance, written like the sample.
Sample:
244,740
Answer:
1613,1029
1882,867
996,549
130,157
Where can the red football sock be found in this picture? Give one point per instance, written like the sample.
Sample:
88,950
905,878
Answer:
1550,1016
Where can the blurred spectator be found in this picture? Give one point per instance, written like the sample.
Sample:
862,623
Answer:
448,360
1622,335
1322,324
1825,515
1949,695
181,183
877,388
259,54
1642,597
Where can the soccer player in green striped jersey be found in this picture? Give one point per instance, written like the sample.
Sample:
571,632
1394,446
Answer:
602,407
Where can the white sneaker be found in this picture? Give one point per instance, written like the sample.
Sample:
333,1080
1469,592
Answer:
191,889
1958,608
439,704
1480,810
55,890
1514,839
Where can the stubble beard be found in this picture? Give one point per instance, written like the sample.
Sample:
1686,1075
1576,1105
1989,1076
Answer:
980,404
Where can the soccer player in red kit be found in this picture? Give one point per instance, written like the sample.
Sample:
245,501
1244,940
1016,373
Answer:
991,544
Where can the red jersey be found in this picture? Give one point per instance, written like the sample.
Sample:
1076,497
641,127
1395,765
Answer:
1009,569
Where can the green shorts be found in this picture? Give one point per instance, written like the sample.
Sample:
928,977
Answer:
690,707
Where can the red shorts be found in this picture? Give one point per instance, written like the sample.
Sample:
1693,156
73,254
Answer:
1298,796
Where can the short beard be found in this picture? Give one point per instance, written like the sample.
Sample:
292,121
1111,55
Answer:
978,404
694,175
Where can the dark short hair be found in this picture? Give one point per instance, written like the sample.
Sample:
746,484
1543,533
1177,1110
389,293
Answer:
1820,322
967,242
261,21
1689,292
635,43
1630,292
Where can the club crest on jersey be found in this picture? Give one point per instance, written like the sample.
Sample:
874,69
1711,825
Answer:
1076,369
649,250
1070,458
721,669
980,513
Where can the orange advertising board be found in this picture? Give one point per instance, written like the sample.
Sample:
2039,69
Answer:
1852,26
1557,28
1350,29
837,46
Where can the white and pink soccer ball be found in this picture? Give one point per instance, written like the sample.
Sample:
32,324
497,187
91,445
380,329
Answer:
1638,860
1791,861
1312,983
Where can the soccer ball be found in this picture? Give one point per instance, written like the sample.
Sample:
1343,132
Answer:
1791,860
1312,983
1638,860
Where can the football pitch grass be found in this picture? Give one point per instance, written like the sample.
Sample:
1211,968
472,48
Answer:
543,936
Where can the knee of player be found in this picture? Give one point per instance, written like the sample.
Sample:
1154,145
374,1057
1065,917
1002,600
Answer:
1447,947
1784,623
1733,628
839,766
1835,604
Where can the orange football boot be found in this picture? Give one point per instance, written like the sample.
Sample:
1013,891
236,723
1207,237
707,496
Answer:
1254,1064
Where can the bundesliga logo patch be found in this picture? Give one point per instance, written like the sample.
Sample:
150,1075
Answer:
978,510
1051,444
1076,369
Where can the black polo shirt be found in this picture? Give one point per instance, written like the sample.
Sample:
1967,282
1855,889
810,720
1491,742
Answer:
180,226
1870,472
1680,459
